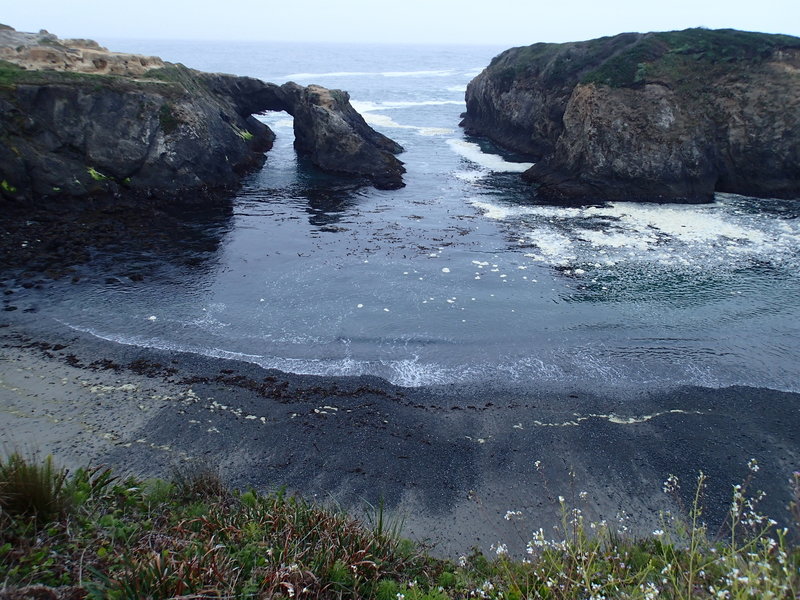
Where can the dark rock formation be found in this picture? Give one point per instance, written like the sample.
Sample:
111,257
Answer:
170,131
668,116
78,135
336,138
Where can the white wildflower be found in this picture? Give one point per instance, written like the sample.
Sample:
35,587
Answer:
671,484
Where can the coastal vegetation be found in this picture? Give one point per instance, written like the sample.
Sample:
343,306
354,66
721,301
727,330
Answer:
686,56
620,61
96,534
12,75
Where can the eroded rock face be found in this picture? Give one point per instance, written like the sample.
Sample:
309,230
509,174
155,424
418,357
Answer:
650,117
336,138
79,136
169,131
44,50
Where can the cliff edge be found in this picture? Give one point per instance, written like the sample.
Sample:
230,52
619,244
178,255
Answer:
77,120
669,116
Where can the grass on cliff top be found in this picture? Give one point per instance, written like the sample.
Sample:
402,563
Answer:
630,59
675,55
12,75
96,535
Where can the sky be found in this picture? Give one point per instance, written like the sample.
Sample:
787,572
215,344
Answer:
496,22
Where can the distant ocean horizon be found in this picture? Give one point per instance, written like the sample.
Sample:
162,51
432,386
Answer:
461,276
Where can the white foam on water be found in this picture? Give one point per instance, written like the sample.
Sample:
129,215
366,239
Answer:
553,246
575,364
367,110
366,106
615,239
286,123
435,73
470,176
493,162
718,235
277,120
431,131
460,89
384,121
412,373
685,222
388,122
501,212
473,72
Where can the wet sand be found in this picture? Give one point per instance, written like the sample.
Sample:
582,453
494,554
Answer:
449,462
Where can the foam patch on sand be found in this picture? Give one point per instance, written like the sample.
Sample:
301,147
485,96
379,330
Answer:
618,419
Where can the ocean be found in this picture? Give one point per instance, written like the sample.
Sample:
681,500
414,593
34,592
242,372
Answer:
461,276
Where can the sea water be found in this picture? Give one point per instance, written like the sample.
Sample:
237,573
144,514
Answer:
461,276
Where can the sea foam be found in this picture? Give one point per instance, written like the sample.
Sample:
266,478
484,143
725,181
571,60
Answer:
305,76
473,153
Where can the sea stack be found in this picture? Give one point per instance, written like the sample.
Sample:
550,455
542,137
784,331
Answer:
666,117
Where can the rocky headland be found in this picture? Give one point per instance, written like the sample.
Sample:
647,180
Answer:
77,120
670,116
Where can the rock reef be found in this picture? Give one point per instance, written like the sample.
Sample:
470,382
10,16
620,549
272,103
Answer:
670,116
77,120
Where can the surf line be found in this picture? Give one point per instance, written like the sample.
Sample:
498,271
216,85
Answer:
612,418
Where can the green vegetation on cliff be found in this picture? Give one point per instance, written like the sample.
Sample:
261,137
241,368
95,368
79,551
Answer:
630,58
93,534
677,55
12,75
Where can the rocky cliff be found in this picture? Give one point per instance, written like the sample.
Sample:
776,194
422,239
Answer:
78,121
670,116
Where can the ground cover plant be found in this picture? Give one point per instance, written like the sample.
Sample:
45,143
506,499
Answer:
92,534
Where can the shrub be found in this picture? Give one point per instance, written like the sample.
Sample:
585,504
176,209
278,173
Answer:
28,488
167,119
198,482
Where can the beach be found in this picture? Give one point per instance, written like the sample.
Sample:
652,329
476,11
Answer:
457,466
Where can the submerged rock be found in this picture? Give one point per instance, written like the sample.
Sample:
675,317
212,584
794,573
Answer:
80,127
670,116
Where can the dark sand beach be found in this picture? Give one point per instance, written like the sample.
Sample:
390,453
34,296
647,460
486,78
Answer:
449,461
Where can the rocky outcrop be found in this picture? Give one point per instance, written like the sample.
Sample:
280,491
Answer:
168,131
82,135
336,138
44,50
670,116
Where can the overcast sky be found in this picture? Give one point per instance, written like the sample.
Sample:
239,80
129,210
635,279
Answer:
504,22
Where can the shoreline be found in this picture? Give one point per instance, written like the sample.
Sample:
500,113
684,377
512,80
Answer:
448,462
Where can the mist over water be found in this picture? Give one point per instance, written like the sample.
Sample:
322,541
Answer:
459,276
